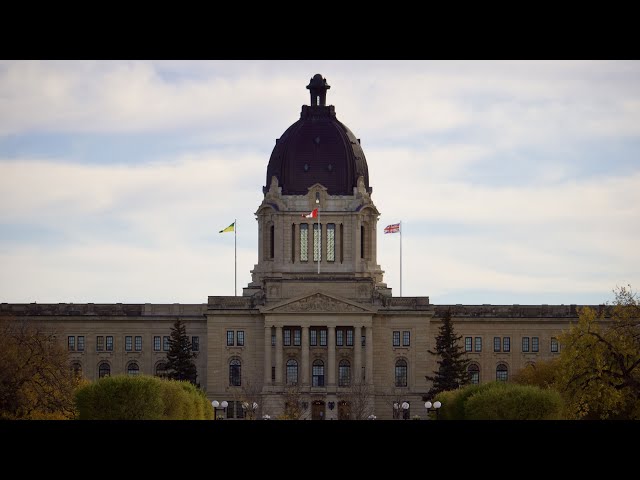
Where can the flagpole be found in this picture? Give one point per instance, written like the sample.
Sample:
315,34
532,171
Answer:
400,257
235,261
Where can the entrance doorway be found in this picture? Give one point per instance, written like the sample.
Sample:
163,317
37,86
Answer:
317,410
344,410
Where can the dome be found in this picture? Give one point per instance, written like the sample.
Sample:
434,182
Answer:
318,148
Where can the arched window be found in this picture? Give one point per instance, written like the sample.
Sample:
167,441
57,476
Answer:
344,373
318,373
502,372
161,370
235,374
292,372
76,368
104,370
474,374
133,369
401,373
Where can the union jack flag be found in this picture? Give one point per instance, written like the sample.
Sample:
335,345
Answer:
393,228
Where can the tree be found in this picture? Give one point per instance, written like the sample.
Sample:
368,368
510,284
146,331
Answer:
543,374
294,407
36,379
360,398
452,367
600,360
180,365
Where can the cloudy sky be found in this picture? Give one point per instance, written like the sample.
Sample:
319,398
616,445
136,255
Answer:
516,182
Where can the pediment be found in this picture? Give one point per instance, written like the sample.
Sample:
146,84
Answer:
318,303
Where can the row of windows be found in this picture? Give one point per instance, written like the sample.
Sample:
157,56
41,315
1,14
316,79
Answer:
133,369
317,373
317,337
239,338
129,343
504,344
330,247
502,373
406,338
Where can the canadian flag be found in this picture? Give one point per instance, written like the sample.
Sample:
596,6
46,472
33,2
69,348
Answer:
313,214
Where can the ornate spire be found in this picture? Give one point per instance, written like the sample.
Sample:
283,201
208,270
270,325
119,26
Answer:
318,87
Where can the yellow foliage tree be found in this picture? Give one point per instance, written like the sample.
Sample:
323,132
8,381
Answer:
600,361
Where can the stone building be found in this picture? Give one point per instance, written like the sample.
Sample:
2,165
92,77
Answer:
317,317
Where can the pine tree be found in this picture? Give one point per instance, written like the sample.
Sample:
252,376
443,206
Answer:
452,367
180,365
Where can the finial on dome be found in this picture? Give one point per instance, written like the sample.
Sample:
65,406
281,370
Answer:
318,88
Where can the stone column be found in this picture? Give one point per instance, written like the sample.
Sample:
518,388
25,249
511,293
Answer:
304,364
267,356
369,353
331,357
357,355
279,356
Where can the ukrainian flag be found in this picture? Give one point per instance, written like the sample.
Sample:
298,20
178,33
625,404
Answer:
230,228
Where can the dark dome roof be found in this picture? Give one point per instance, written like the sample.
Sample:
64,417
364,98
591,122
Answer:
317,149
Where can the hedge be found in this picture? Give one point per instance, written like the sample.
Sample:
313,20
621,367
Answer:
142,398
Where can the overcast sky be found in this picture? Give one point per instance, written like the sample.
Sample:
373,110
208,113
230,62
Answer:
516,182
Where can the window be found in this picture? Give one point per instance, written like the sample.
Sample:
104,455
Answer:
99,343
287,337
273,338
133,369
396,338
401,373
339,337
344,373
317,252
406,338
161,370
535,344
104,370
272,246
323,338
502,372
240,338
474,374
525,344
71,343
478,345
76,368
496,344
273,374
195,344
165,344
349,337
468,343
128,344
318,374
361,241
235,410
341,243
554,344
297,333
156,344
331,242
229,338
292,372
313,337
364,340
293,243
109,343
506,344
304,242
138,343
81,343
235,377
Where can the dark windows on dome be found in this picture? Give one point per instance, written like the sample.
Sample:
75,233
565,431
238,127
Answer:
306,167
330,167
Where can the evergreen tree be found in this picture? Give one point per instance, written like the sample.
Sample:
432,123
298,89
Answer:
180,365
452,367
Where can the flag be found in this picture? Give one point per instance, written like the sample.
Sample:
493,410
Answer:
313,214
393,228
230,228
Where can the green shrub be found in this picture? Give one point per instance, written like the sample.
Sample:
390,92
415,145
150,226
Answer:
508,401
453,402
142,398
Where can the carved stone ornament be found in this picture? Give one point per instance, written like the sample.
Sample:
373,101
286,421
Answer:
319,303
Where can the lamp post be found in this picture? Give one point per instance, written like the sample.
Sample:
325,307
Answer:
216,404
247,407
405,410
433,407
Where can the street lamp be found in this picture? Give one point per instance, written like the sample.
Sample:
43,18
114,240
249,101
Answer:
215,404
433,407
250,408
405,408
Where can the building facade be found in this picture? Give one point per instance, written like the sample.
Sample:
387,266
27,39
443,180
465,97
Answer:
317,322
